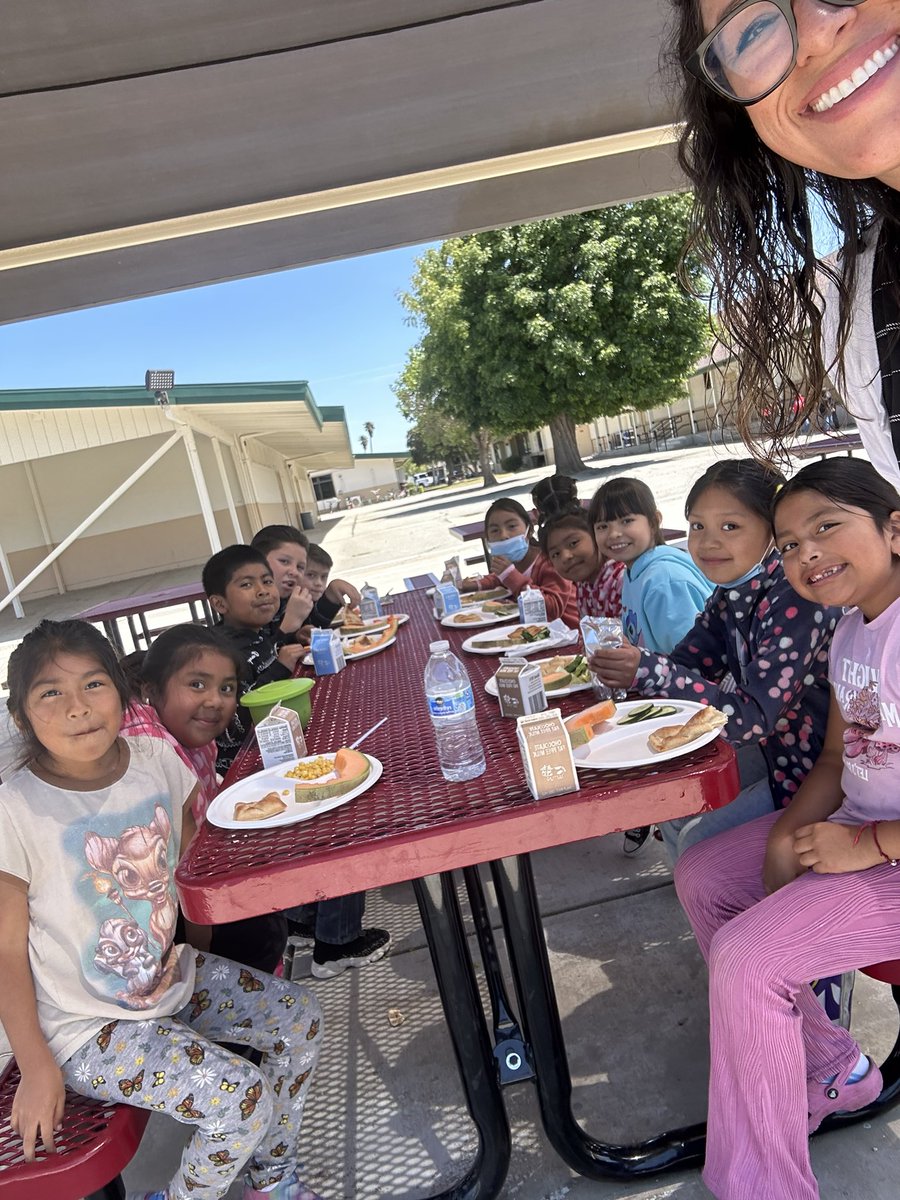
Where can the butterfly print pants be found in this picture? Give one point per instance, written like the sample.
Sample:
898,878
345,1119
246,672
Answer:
243,1114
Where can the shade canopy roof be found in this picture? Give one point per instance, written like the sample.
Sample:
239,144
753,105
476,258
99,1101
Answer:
150,147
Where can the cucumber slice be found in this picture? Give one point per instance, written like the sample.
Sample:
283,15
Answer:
649,712
637,714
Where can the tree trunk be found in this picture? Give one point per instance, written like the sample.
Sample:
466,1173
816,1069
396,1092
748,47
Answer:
484,457
567,460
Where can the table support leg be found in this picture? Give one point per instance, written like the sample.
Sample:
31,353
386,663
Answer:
439,909
510,1050
521,916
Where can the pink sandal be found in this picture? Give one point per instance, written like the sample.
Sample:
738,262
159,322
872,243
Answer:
841,1096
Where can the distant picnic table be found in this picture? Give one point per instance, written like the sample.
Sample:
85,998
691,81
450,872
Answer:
822,447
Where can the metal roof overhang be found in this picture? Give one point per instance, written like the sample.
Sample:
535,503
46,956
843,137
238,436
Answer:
154,147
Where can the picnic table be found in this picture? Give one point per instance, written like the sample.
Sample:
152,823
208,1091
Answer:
414,825
133,610
822,447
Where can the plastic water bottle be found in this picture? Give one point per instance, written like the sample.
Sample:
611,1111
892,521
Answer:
452,707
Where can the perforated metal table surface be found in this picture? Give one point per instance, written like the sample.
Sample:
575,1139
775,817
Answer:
413,825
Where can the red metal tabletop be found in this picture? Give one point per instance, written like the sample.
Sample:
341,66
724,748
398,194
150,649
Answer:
413,823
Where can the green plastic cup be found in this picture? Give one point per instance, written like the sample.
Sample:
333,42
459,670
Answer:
291,693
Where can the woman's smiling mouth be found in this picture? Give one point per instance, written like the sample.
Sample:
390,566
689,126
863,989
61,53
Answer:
855,80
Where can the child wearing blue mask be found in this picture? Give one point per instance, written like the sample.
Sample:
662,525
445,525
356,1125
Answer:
758,651
516,562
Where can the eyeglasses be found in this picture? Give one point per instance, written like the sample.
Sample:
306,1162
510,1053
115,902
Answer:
752,50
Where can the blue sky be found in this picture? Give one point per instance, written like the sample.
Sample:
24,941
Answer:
338,325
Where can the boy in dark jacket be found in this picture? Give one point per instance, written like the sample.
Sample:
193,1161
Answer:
241,589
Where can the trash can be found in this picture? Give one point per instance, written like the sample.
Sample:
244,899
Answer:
307,520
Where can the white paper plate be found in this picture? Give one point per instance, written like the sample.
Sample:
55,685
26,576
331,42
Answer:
471,644
478,598
308,658
553,693
472,618
372,625
274,780
618,747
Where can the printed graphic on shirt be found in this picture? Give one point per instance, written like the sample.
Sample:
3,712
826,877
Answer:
129,889
862,707
630,627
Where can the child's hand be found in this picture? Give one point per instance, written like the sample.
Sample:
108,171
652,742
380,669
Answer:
304,634
827,848
616,668
289,656
38,1106
340,588
470,584
781,864
299,606
499,564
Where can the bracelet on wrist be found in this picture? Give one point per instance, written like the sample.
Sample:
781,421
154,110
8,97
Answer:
891,861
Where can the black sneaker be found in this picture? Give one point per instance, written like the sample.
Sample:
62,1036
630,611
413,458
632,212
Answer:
330,959
302,934
635,838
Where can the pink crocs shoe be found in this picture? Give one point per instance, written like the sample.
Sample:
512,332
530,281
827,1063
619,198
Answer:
841,1096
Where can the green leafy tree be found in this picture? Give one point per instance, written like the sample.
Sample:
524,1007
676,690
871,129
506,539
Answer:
437,431
556,322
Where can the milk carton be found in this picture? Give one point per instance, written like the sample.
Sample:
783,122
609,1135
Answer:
280,737
447,598
327,651
452,568
532,608
547,755
370,603
520,687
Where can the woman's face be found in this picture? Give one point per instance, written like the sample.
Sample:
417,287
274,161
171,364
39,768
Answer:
838,48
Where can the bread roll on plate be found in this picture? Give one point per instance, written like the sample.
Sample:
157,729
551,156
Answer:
670,737
260,810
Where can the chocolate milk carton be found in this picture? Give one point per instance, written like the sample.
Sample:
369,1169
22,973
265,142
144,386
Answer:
520,687
547,755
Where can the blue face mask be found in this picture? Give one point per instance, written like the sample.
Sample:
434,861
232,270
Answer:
514,548
751,574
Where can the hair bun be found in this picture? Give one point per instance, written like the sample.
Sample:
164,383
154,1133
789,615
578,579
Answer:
555,496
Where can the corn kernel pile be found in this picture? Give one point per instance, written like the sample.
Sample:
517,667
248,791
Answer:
314,769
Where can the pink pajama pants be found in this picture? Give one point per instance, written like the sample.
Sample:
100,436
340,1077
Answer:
768,1033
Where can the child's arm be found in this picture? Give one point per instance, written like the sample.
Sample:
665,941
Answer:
819,795
198,936
40,1097
338,589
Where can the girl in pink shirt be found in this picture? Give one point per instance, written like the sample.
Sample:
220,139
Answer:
814,890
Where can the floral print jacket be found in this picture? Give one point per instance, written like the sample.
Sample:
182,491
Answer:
759,653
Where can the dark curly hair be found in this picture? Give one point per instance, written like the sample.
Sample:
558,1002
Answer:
751,230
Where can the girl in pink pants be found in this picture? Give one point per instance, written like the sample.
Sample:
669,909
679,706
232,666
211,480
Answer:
814,890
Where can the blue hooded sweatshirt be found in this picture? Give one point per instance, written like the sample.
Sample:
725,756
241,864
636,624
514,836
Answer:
661,596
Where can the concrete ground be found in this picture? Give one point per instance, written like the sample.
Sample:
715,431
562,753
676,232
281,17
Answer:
385,1118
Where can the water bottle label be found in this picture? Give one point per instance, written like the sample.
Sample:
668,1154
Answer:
452,705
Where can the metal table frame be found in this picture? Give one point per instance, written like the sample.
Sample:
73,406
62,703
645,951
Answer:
376,841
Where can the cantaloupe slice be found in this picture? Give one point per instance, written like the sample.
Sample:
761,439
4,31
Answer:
581,726
351,769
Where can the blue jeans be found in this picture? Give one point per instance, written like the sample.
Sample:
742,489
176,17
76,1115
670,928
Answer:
336,921
754,801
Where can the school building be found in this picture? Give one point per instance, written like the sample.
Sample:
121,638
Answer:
101,484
